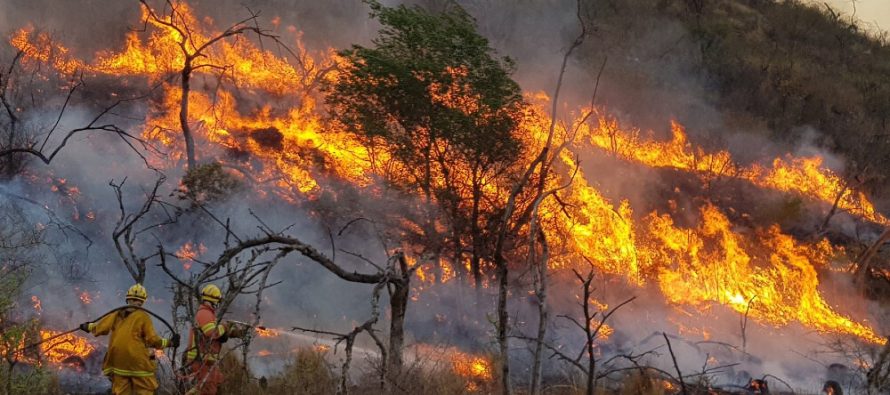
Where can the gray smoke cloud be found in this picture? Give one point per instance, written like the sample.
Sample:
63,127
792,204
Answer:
648,79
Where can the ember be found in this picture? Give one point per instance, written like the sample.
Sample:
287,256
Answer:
85,297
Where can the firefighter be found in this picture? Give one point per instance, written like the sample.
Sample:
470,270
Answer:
758,386
832,387
205,342
129,363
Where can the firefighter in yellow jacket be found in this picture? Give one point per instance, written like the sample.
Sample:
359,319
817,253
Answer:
128,362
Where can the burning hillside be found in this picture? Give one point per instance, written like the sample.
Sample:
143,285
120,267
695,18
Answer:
473,191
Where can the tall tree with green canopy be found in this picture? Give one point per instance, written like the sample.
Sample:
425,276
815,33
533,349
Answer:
433,93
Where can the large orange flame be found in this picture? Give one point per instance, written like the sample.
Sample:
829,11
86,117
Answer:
260,109
804,176
63,348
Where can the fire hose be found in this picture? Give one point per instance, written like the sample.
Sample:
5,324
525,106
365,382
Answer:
112,311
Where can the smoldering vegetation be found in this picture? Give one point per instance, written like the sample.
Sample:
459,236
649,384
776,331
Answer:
648,61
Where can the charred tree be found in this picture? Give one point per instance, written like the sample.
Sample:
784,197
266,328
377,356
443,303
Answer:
196,56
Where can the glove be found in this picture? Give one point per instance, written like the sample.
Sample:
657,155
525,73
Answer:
174,341
235,330
85,327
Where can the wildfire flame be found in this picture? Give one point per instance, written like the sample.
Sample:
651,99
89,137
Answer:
266,332
188,253
38,306
85,297
62,349
475,369
804,176
763,272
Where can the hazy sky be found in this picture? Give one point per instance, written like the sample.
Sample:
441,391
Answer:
874,13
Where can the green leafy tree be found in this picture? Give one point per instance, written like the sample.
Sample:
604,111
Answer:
19,241
434,94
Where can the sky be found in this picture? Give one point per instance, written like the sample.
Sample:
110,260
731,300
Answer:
874,13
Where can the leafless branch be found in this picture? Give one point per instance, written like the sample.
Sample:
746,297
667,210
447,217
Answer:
676,366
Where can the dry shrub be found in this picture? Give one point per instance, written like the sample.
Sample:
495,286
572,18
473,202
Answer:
430,376
238,380
308,374
641,383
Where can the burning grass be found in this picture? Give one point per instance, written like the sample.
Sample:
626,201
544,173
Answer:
712,262
264,108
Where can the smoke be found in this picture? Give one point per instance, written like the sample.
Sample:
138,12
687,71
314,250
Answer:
650,76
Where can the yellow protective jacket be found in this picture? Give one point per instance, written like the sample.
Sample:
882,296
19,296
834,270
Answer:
131,334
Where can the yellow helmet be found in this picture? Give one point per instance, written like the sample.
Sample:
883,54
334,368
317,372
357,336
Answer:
211,293
138,292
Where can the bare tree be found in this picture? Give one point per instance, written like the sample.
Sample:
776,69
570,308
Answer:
591,323
131,225
508,225
349,338
246,274
18,95
196,56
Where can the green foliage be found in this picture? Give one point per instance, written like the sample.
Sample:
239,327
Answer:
19,241
434,94
206,183
429,79
15,376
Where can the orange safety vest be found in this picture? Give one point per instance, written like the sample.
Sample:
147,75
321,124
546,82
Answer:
131,334
204,338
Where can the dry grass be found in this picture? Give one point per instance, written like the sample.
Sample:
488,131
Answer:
308,374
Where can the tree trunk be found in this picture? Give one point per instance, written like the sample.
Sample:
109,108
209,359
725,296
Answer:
184,115
398,303
460,270
475,260
503,322
864,261
588,317
543,312
9,375
833,210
